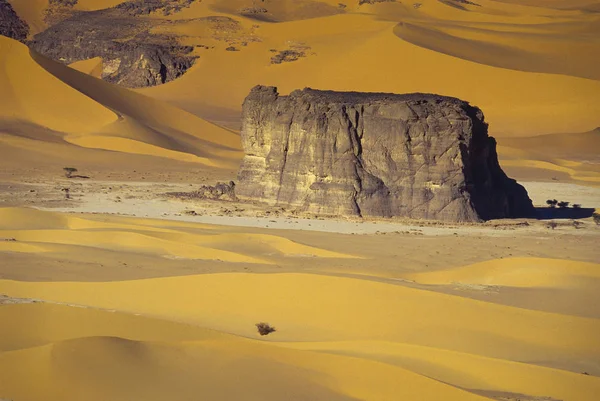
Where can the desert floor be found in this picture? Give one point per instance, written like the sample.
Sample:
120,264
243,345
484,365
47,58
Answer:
127,291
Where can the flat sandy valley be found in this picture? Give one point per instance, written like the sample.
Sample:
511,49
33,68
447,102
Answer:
124,283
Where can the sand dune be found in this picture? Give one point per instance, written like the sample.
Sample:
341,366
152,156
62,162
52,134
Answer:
32,11
37,230
85,111
343,52
279,10
370,345
340,335
329,312
573,157
578,147
117,367
91,66
155,309
30,93
515,272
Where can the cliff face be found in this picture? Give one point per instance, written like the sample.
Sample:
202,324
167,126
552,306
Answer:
10,23
367,154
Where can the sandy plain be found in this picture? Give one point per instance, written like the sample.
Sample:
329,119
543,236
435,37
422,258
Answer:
125,292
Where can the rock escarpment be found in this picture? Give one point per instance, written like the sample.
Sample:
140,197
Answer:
379,155
10,24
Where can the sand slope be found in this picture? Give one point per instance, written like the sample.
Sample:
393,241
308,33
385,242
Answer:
368,337
529,66
79,109
568,157
369,346
36,230
30,93
469,54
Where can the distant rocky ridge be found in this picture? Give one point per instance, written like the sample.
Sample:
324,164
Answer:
10,24
132,56
377,155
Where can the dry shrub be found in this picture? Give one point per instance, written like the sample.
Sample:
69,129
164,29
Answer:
264,328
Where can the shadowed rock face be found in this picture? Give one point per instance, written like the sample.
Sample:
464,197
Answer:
380,155
10,23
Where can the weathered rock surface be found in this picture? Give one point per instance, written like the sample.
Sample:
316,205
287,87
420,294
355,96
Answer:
369,154
132,56
10,24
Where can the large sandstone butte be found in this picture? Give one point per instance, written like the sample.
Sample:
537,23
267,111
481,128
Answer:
374,154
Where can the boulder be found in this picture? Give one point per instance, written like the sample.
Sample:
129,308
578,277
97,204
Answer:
419,156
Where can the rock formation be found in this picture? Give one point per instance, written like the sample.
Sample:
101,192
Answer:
373,154
132,55
10,23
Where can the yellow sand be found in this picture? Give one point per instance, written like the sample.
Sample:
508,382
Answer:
216,366
516,272
32,11
30,93
38,229
92,5
575,154
94,114
337,338
91,67
356,51
385,336
504,57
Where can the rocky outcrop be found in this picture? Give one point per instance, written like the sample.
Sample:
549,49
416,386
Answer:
370,154
145,7
132,55
10,24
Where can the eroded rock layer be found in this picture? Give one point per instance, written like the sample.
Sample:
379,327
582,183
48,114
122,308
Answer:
371,154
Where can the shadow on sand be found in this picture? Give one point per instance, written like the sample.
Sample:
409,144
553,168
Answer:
548,213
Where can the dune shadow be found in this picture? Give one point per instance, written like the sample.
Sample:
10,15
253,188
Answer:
549,213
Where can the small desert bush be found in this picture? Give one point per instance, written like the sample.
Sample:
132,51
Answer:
69,171
264,328
596,217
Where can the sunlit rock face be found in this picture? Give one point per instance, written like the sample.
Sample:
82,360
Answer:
372,154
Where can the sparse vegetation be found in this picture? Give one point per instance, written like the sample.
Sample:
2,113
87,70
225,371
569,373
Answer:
563,204
576,206
552,225
67,193
264,328
551,202
596,217
69,171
